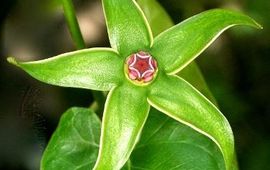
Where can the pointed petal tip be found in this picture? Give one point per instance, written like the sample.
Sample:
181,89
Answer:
257,25
251,21
254,23
13,61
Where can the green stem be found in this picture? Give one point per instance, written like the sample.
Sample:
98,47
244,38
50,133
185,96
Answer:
77,38
73,25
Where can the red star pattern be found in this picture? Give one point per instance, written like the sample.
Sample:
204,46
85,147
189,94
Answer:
141,67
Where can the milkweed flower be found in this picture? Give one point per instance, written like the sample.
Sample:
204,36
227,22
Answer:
139,72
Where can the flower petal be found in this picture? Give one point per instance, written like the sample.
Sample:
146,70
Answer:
179,45
178,99
127,27
96,69
156,14
126,111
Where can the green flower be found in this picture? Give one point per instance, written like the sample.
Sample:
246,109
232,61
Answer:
139,72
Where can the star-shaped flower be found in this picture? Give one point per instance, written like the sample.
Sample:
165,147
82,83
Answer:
139,72
141,67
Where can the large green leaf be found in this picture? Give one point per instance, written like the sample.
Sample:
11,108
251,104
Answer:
127,27
74,144
178,99
96,69
181,44
125,113
168,144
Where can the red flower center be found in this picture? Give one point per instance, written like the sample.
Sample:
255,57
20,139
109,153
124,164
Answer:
141,67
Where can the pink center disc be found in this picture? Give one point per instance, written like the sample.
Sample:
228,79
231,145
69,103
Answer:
141,67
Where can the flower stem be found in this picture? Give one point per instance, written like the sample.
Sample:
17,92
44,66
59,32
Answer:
73,25
77,38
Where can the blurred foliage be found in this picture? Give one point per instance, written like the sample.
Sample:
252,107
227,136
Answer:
236,68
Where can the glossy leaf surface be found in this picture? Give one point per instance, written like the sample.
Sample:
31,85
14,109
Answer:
181,44
179,100
74,144
168,144
127,27
96,69
125,113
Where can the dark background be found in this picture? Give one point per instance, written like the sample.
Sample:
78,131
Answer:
236,68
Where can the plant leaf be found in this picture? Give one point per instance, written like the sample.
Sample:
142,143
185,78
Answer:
74,144
125,113
127,27
96,69
168,144
178,46
178,99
